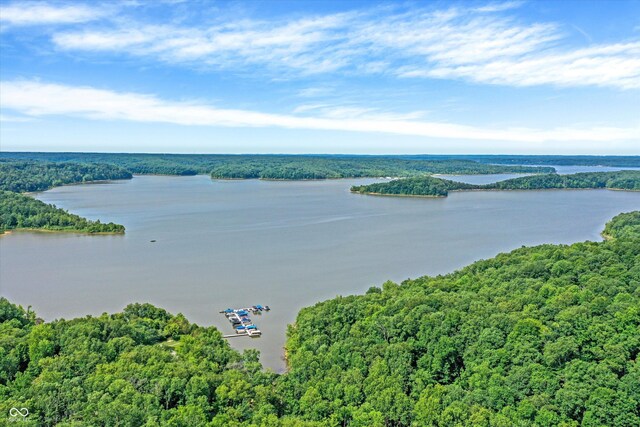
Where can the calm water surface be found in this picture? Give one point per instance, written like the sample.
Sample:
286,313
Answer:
285,244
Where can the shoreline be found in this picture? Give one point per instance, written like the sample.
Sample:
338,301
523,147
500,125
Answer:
469,190
47,231
308,179
421,196
99,181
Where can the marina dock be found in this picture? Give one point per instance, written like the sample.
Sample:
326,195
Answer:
241,322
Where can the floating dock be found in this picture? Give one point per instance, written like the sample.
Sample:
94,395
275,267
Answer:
242,323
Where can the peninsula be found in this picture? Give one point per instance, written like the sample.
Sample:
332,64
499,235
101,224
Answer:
429,186
22,212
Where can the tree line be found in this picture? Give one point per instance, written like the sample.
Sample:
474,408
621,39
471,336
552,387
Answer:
27,176
285,167
541,336
19,211
437,187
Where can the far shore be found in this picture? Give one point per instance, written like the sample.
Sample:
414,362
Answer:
98,181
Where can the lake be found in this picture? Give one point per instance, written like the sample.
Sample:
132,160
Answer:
226,244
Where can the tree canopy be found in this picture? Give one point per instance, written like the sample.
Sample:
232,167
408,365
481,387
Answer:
285,167
428,186
26,176
18,211
437,187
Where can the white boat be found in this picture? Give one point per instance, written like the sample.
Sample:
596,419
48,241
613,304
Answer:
254,333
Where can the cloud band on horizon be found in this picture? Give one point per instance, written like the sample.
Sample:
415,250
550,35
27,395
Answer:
34,99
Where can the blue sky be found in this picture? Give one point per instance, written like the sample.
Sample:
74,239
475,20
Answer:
522,77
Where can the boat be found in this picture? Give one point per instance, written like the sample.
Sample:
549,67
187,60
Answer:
241,322
254,333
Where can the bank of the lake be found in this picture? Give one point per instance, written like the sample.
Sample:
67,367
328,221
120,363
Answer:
26,213
438,187
54,231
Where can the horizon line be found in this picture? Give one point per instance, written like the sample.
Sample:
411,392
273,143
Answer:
319,154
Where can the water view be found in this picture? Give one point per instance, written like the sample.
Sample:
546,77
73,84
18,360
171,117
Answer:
222,244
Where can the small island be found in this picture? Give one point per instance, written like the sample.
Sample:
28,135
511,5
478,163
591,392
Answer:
429,186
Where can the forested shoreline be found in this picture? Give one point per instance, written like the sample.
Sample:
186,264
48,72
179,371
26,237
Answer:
21,212
437,187
281,167
551,160
544,336
318,166
28,176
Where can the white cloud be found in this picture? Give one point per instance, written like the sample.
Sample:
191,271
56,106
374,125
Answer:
597,66
38,99
355,112
309,107
499,7
315,91
12,118
39,13
303,45
481,44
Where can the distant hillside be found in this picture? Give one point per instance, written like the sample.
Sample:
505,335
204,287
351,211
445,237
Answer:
27,176
285,167
614,161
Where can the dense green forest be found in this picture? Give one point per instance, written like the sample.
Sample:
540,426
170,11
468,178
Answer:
623,226
427,186
303,167
24,176
551,160
18,211
622,180
437,187
287,167
185,164
541,336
